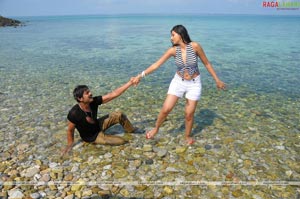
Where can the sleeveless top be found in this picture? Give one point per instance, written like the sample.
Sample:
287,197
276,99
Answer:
191,60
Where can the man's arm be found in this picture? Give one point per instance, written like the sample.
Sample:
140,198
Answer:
116,93
70,137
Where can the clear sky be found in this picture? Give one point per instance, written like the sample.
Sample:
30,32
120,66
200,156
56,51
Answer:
11,8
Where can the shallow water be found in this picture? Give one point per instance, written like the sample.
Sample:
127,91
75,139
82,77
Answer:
256,119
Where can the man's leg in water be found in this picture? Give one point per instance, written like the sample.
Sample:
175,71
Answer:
109,120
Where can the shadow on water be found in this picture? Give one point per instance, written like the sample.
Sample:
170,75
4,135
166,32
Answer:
202,120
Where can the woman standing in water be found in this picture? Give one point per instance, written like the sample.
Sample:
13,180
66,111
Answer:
186,80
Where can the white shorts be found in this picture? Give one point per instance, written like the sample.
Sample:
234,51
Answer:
191,88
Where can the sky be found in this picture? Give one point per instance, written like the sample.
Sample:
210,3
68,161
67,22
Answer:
11,8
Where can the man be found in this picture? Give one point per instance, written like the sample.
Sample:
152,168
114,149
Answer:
83,117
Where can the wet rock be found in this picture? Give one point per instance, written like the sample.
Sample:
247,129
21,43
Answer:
161,153
147,148
172,169
168,190
9,22
71,196
120,173
180,149
15,194
207,147
237,193
30,172
78,185
35,195
149,161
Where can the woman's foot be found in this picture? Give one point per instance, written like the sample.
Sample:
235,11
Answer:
189,140
150,134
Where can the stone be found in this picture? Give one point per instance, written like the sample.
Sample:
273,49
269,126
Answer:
237,193
22,147
207,147
68,177
149,161
168,190
35,195
77,186
87,193
124,192
247,163
180,149
162,153
52,185
120,173
140,187
15,194
171,169
30,172
45,178
71,196
147,148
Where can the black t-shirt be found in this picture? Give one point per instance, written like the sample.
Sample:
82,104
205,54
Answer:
88,131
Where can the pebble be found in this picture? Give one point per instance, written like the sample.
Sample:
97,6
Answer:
207,147
30,172
35,195
15,194
149,161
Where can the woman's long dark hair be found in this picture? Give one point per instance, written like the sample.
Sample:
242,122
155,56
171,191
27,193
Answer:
182,31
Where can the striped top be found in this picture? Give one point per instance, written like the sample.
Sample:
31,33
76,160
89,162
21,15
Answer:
191,60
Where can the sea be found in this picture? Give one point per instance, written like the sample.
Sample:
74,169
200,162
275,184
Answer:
257,56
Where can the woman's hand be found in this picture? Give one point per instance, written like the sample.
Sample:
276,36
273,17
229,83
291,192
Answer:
221,85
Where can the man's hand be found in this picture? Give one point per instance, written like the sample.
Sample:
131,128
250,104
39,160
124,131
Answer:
66,150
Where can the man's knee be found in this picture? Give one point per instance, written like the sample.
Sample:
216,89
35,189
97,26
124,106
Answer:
109,139
118,114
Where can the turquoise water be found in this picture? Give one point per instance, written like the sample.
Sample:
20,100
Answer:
257,56
257,52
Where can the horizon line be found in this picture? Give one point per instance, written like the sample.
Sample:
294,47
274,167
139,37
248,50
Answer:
157,14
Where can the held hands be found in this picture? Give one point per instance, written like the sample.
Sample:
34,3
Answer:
136,80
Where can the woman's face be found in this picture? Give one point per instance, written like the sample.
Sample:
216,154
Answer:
175,38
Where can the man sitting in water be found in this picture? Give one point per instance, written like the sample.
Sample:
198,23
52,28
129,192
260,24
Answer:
83,117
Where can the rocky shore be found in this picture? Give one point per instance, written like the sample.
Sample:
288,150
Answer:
9,22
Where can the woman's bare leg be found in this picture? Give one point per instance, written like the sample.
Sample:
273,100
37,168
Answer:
190,108
169,104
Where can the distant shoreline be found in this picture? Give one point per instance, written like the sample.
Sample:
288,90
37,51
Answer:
9,22
162,15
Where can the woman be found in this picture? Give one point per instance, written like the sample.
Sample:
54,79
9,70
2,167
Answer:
186,80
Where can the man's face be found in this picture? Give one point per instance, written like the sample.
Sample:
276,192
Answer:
87,97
